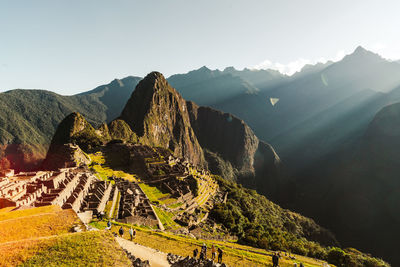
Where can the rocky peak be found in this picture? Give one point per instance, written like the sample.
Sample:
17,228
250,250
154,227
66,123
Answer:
74,130
362,54
157,113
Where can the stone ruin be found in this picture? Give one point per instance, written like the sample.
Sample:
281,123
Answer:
134,206
65,188
78,189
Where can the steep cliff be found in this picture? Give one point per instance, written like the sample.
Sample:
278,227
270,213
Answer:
232,149
158,115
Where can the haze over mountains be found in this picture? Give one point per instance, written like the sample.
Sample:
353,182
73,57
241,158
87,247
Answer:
335,144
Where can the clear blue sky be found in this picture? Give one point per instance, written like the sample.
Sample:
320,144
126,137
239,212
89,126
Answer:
72,46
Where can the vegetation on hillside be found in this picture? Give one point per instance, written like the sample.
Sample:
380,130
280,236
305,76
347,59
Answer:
261,223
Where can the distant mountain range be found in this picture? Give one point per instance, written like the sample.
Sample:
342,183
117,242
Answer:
330,124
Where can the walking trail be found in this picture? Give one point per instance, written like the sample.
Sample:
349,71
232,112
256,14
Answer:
156,258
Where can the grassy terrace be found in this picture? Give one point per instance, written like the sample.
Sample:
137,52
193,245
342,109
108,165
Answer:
95,248
42,237
207,188
234,254
38,222
99,165
166,218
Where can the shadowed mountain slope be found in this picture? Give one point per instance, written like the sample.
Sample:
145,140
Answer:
29,118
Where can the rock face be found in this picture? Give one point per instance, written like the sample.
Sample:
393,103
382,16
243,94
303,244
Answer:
232,140
120,130
158,115
223,133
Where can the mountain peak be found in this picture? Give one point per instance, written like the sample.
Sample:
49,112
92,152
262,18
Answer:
360,50
229,69
157,113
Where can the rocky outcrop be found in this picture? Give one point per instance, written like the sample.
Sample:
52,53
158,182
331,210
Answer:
75,129
158,115
226,137
179,261
120,130
73,133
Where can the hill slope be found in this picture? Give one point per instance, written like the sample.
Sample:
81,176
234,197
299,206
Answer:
29,118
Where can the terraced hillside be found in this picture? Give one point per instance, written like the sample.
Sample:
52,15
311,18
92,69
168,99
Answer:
181,195
43,237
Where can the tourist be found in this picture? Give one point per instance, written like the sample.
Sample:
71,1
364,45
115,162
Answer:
131,233
220,252
204,250
212,252
275,260
301,264
121,231
201,255
195,252
108,225
134,234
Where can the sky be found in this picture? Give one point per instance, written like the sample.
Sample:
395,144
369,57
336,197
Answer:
74,46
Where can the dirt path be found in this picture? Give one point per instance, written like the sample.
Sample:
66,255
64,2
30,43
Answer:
156,258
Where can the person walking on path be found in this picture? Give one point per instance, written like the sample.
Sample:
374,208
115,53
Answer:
220,252
275,260
195,252
108,225
204,250
121,231
212,252
131,233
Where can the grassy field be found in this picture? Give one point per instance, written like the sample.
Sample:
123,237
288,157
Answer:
166,218
95,248
36,222
234,254
42,237
5,213
98,164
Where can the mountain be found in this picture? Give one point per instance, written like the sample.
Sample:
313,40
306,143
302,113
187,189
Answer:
159,117
359,192
29,118
310,103
210,87
114,95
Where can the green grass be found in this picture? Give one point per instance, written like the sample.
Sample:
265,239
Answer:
166,218
107,209
95,248
115,212
103,172
153,193
36,222
175,205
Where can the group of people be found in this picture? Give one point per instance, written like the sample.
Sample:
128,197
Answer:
203,253
132,232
